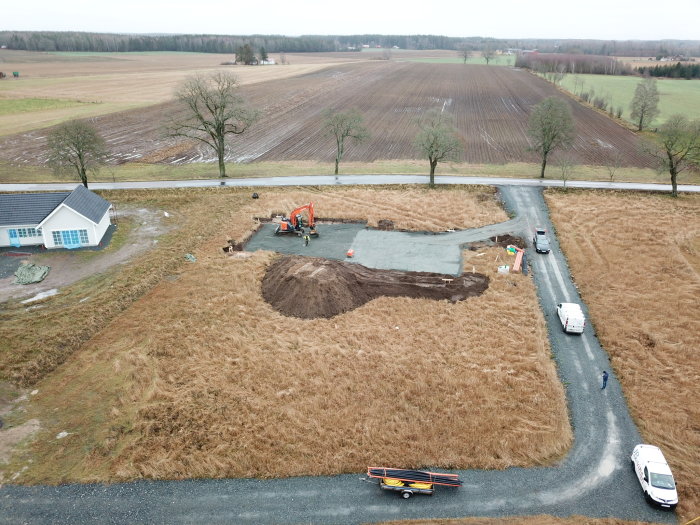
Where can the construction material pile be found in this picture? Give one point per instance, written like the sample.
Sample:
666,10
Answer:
309,287
31,273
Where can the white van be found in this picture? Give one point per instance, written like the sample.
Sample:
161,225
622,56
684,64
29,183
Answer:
571,316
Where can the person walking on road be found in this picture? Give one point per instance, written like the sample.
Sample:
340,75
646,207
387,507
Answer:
605,379
306,239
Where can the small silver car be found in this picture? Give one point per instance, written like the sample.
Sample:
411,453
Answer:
654,476
540,241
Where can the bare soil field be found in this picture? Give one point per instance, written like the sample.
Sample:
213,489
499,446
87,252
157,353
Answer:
636,260
218,383
490,106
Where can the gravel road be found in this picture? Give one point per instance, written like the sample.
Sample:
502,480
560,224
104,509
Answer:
330,180
595,479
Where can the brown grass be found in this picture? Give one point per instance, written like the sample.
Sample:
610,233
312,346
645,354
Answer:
409,207
636,259
200,377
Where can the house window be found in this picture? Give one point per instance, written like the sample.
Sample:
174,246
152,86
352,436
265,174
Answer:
28,232
70,238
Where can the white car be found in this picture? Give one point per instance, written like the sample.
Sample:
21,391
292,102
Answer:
540,241
654,476
571,317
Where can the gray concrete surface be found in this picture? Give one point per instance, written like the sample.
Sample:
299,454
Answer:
385,250
333,241
594,479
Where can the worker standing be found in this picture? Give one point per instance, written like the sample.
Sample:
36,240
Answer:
306,239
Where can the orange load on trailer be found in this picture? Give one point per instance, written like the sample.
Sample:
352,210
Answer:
409,482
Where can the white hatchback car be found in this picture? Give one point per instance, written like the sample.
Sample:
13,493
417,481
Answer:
654,476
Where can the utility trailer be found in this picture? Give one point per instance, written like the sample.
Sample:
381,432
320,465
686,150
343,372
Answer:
410,482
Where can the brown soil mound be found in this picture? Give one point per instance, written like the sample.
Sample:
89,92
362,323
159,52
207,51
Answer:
310,287
505,240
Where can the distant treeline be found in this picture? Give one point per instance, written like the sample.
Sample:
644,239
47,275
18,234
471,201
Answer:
105,42
108,42
568,63
676,70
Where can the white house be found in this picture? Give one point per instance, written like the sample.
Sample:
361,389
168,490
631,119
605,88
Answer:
56,220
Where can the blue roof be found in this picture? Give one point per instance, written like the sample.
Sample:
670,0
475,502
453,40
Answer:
32,208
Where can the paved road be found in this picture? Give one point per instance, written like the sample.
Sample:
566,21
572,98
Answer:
330,180
594,479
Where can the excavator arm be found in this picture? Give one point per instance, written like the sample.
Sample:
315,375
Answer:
308,207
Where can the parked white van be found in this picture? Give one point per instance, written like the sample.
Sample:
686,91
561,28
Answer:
571,316
654,476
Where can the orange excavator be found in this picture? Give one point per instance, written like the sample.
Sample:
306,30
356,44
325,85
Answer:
295,222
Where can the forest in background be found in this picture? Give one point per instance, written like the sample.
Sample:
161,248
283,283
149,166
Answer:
111,42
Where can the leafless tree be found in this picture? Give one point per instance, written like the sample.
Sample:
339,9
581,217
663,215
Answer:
551,126
559,74
437,139
465,52
488,53
614,163
645,103
566,168
76,145
678,147
213,110
342,126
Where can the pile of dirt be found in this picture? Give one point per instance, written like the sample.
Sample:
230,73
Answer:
309,287
506,239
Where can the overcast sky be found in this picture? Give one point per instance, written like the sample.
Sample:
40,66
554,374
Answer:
598,19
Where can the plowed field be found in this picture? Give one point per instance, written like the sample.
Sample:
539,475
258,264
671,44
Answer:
490,106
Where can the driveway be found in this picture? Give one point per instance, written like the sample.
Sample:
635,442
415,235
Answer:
594,479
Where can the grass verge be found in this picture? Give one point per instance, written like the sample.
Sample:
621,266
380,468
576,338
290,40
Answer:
24,105
636,260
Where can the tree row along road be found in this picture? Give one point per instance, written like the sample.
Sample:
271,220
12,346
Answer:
594,479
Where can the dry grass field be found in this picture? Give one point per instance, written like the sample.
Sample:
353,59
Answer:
636,260
102,83
194,374
490,105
